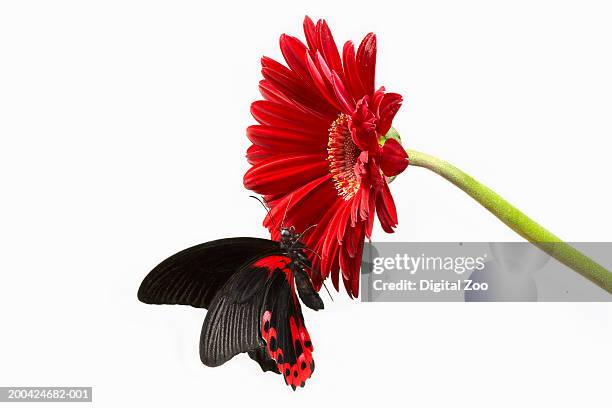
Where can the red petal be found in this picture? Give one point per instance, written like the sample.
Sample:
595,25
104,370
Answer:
284,140
351,239
371,210
366,62
294,205
320,83
346,100
331,242
282,75
317,238
363,127
267,62
256,154
287,83
271,93
323,67
351,73
294,52
394,158
343,223
275,114
279,175
310,102
351,264
385,208
389,106
355,207
328,47
377,98
335,272
309,32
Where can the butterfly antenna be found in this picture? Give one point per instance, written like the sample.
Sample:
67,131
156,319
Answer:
330,296
286,210
324,285
312,251
303,232
300,237
265,208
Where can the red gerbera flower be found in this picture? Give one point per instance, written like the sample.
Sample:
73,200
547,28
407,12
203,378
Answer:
319,155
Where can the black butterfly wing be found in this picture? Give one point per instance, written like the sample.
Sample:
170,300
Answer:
261,356
257,311
232,325
195,275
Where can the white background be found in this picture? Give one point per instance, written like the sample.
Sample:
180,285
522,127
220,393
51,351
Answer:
122,128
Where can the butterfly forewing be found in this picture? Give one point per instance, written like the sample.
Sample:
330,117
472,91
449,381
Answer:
195,275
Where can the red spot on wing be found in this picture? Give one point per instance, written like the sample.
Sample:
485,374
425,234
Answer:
281,262
273,262
295,373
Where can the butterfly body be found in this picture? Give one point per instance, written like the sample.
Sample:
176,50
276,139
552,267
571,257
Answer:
250,287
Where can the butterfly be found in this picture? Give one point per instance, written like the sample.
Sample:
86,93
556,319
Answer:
250,287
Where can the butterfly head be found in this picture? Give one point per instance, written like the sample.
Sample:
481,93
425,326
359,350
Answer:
288,237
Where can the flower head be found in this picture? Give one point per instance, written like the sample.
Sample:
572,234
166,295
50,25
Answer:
319,154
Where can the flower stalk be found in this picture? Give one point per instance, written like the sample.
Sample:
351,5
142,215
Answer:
515,219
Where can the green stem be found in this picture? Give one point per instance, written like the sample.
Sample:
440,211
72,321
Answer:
519,222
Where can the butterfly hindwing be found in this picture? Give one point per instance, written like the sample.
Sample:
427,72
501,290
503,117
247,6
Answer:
262,357
257,311
231,325
194,276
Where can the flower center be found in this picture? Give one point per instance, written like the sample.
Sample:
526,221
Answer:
342,155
